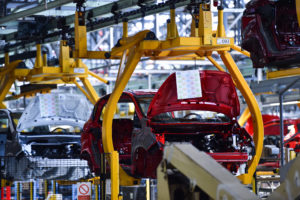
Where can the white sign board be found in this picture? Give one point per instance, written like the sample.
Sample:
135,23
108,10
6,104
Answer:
84,191
188,84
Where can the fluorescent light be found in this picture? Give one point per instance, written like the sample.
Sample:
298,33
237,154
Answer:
285,103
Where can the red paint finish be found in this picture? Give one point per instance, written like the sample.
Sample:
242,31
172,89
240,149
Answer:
272,135
270,32
140,139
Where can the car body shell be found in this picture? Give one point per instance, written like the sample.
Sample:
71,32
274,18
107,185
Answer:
270,32
32,150
140,141
272,138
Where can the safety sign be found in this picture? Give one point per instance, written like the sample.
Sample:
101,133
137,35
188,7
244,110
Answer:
84,191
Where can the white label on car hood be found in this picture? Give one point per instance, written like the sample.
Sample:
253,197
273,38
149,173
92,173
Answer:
188,84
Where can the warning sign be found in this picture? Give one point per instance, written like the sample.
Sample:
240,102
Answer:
84,191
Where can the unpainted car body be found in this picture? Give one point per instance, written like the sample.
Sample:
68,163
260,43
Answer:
46,142
270,32
139,134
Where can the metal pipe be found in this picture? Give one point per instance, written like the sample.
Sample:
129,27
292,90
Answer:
281,94
32,11
281,130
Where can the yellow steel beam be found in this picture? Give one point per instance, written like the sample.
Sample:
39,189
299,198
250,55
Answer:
64,57
258,128
39,59
298,11
83,91
2,106
214,62
205,24
173,32
80,37
6,58
90,90
6,83
133,58
284,73
125,29
98,77
220,29
114,167
244,117
239,49
9,67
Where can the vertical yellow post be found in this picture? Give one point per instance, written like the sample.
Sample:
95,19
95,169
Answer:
194,28
18,191
96,191
38,60
64,57
46,188
6,59
220,29
205,24
80,36
125,28
114,167
45,59
147,189
133,58
173,27
298,11
258,128
31,190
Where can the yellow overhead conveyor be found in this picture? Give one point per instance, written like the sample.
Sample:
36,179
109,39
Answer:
68,71
200,45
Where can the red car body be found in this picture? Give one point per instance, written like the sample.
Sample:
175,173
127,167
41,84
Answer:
270,32
161,117
272,136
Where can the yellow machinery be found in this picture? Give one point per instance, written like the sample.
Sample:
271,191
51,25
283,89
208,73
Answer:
202,42
66,73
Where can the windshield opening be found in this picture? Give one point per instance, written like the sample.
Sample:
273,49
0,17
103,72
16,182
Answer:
191,116
144,102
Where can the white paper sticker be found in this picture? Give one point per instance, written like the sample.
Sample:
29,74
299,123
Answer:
49,105
188,84
79,70
223,41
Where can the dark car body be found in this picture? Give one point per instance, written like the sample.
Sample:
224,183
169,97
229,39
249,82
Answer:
208,122
270,32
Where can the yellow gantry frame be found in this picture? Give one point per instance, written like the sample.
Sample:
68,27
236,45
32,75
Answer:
67,72
202,43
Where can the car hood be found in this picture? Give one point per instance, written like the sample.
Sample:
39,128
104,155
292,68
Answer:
55,109
218,95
